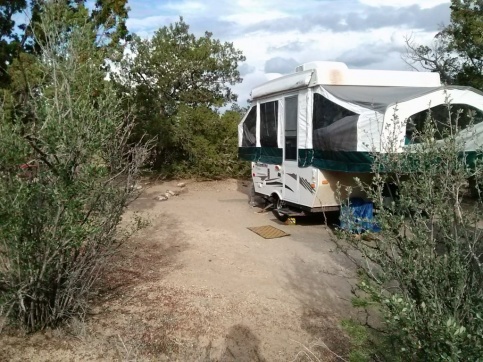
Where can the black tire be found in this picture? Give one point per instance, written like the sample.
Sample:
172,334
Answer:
278,204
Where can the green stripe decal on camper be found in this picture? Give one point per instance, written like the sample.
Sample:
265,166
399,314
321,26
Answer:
248,153
473,158
261,154
355,161
271,155
344,161
306,157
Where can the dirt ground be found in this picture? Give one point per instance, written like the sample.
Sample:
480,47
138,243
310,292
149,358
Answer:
197,285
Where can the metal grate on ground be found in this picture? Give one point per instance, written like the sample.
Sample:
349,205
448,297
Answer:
268,232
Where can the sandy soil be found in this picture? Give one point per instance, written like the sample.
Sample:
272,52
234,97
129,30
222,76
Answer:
197,285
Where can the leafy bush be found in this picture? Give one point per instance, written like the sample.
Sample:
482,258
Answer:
66,175
202,143
424,270
176,83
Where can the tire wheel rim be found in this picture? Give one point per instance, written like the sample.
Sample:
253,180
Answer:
278,204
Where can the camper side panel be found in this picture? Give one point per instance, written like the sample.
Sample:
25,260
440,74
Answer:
267,179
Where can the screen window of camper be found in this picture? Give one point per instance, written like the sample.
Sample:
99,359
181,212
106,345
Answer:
291,128
334,127
269,124
462,115
250,129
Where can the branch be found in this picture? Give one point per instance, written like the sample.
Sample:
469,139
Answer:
43,155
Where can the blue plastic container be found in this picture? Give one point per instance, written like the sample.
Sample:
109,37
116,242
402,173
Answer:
358,217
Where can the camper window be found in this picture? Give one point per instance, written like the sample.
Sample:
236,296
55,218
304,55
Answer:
269,124
250,129
461,116
334,127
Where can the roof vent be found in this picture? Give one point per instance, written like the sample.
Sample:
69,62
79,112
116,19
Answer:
322,65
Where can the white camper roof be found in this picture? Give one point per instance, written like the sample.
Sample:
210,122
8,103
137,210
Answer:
338,74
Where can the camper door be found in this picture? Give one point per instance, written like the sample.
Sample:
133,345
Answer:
290,152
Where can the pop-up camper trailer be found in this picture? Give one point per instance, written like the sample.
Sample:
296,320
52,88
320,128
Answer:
308,130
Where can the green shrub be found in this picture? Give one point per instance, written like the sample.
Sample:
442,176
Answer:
204,144
66,175
424,271
177,83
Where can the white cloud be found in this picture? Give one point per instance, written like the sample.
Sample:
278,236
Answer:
186,6
359,32
253,17
147,24
424,4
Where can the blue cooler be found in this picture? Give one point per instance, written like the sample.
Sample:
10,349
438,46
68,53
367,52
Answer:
358,217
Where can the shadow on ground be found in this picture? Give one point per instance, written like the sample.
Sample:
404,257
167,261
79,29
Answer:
330,220
241,345
147,200
244,186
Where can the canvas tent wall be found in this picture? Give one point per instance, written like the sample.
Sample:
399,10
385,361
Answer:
375,119
339,126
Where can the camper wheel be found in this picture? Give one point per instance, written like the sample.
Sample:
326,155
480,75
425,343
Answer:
278,205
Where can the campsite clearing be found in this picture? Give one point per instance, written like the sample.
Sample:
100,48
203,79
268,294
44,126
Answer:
198,285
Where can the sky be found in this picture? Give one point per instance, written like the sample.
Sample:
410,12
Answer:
277,35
